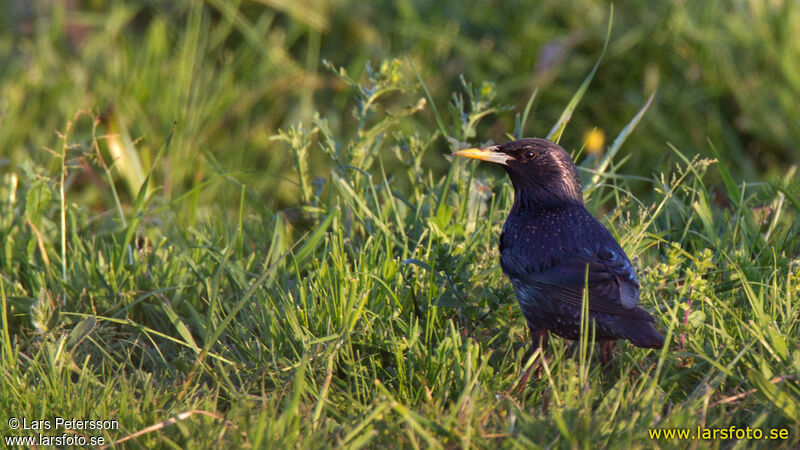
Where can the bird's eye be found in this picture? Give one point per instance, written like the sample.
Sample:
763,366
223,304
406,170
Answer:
529,155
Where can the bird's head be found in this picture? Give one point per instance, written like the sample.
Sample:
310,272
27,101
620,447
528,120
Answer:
541,171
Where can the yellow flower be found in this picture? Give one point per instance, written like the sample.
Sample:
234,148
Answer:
594,138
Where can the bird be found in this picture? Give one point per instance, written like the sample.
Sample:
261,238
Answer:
552,248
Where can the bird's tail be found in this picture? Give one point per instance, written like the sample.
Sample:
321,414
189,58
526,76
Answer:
641,333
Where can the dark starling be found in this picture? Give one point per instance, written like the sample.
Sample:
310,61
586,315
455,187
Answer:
550,240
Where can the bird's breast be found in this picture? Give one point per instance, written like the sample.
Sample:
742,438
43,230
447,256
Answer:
532,242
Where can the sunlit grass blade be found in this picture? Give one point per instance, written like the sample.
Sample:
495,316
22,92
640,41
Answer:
617,144
557,130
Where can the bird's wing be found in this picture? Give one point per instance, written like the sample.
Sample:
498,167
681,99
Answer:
612,283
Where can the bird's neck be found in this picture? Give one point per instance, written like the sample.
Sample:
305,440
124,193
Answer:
533,199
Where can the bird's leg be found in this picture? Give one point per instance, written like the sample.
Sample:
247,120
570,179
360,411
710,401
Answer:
539,338
606,351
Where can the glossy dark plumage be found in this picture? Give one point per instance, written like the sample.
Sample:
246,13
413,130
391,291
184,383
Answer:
548,241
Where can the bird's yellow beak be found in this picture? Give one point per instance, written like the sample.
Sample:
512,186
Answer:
490,154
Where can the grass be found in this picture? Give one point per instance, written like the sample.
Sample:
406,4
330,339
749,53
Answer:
343,289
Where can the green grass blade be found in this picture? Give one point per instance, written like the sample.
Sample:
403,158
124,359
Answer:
558,129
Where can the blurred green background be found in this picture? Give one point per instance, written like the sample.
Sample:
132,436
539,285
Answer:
230,74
